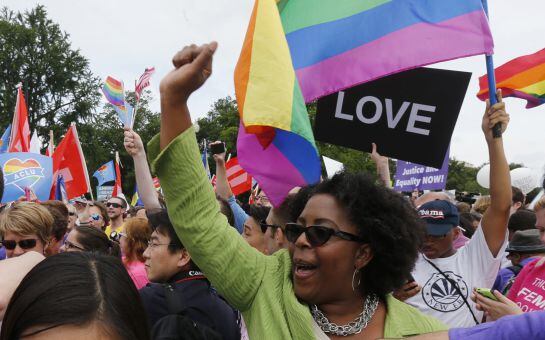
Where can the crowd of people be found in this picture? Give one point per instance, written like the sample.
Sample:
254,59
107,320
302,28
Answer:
346,257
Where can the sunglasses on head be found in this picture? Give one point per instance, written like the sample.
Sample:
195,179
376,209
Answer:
115,205
23,244
317,235
263,224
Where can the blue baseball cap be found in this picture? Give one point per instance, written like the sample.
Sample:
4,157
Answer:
440,216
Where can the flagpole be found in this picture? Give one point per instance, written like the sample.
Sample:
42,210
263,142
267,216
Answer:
496,130
137,97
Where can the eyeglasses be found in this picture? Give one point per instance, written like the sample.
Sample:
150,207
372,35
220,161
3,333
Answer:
71,213
96,217
116,236
263,224
23,244
115,205
70,245
317,235
155,245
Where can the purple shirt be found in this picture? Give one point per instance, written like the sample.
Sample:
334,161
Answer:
2,253
505,275
525,326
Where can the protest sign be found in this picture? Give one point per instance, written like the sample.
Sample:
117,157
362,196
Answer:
410,176
104,192
409,115
26,170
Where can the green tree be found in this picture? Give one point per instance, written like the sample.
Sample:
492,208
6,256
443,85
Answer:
463,177
58,85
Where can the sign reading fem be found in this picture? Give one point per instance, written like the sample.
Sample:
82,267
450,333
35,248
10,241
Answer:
409,115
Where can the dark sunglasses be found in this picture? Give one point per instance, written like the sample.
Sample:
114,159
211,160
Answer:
24,244
317,235
71,213
115,205
264,226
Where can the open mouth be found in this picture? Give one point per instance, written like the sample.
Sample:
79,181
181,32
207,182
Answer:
303,270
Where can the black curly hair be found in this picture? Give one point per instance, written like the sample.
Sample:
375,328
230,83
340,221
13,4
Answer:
386,221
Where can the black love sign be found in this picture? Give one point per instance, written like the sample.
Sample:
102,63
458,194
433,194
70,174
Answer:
409,115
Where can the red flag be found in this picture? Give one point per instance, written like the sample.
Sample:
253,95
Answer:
118,191
143,82
20,131
239,180
68,161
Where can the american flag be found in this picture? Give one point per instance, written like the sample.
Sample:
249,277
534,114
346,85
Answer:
143,82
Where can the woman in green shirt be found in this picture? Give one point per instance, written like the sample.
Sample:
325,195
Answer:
353,243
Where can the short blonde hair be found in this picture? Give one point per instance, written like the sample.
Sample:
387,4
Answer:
482,204
540,204
27,218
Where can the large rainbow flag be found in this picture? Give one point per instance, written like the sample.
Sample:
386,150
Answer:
275,141
523,77
336,44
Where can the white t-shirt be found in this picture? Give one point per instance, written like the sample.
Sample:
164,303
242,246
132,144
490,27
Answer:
472,266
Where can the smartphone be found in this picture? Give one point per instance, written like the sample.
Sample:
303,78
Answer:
486,292
217,148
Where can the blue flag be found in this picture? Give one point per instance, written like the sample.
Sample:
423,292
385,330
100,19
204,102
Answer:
106,173
60,190
24,170
4,142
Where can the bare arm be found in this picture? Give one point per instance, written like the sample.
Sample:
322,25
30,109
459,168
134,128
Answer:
383,168
494,221
222,184
146,190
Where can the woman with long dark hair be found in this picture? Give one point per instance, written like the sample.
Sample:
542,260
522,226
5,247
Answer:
90,239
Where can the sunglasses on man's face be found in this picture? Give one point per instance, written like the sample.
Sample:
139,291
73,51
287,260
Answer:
263,224
112,204
23,244
317,235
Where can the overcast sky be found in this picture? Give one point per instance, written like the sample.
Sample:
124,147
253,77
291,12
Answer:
121,38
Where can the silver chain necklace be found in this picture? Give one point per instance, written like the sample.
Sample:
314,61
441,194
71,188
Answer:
355,327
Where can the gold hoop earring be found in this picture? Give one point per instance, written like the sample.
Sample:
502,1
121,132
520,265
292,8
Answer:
356,271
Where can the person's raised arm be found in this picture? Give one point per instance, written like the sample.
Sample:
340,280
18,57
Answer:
146,190
494,221
383,168
192,67
222,184
191,201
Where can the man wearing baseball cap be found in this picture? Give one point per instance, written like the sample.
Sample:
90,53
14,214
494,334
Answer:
444,277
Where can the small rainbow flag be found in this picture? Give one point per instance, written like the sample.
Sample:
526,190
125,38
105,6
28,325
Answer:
336,44
275,141
113,91
523,77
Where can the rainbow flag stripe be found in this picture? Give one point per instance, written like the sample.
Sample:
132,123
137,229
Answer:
340,43
113,91
275,142
523,77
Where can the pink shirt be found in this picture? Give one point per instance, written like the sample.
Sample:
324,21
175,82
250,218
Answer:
137,272
528,290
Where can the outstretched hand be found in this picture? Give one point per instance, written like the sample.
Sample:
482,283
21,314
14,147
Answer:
493,115
133,143
192,67
495,309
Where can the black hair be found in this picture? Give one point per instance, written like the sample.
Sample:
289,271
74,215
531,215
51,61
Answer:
258,213
517,196
386,221
522,219
159,221
297,205
94,240
77,288
59,211
225,209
